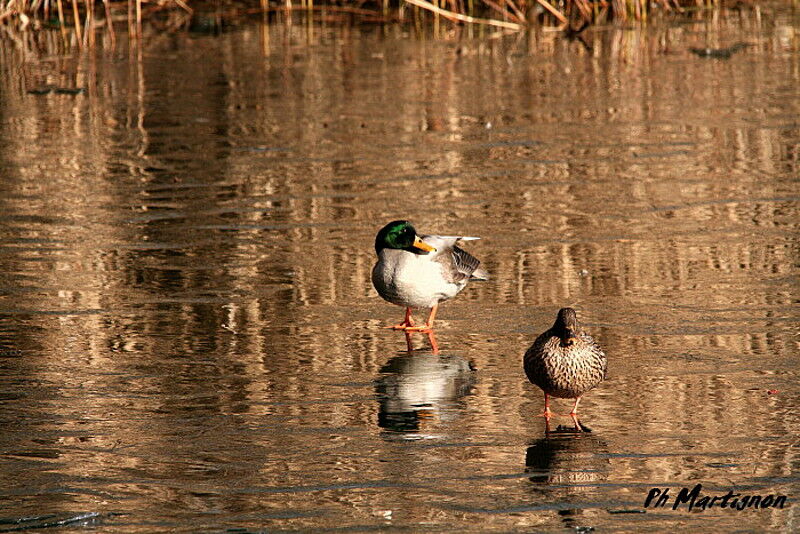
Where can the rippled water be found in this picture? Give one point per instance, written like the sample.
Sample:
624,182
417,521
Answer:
189,339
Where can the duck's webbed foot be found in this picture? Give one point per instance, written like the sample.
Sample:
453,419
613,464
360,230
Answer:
407,323
427,328
574,414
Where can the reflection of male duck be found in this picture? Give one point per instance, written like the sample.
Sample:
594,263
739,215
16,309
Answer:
417,386
564,467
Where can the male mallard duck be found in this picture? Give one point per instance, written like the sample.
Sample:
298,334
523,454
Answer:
565,362
421,272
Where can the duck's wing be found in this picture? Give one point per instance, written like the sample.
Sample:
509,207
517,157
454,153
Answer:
598,353
465,263
458,264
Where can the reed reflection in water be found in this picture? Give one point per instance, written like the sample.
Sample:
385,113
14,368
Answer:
188,334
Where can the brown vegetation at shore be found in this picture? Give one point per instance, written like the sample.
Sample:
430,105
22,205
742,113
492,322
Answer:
84,17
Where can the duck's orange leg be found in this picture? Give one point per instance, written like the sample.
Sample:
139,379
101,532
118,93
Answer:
407,323
574,415
434,344
409,346
431,338
428,326
547,414
574,411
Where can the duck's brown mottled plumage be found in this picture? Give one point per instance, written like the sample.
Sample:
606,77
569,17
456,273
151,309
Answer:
564,361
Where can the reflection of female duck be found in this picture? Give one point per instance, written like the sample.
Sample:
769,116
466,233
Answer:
564,458
565,467
416,386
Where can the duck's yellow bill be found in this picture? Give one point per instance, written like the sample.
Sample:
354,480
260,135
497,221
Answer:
422,245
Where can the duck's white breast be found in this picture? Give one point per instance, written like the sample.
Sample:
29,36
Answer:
408,279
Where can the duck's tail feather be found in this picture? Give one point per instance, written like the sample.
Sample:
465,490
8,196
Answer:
458,237
479,274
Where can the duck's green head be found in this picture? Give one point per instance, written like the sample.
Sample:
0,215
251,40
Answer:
402,236
566,326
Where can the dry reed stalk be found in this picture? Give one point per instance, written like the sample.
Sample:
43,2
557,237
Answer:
88,29
77,17
61,23
556,13
436,19
585,9
9,11
109,23
138,19
600,11
515,9
183,5
618,9
264,34
504,12
464,18
327,8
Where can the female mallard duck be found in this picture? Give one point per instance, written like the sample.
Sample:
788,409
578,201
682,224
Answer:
565,362
420,272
